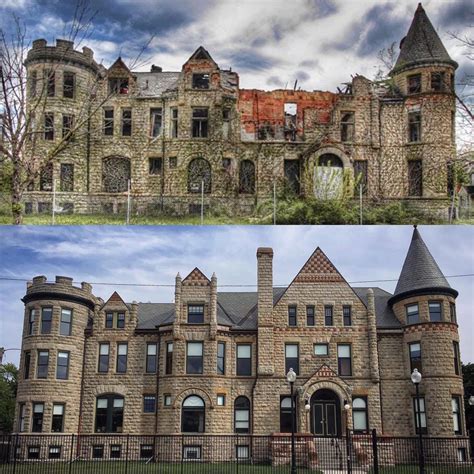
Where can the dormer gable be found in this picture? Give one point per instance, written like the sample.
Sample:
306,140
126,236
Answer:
120,78
196,278
201,58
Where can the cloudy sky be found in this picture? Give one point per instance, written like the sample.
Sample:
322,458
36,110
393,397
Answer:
154,255
271,43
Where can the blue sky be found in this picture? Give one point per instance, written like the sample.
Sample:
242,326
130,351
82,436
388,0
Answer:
154,255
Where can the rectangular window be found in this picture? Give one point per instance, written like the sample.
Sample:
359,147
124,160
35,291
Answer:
68,126
291,169
54,452
173,162
126,122
27,362
155,122
244,359
122,350
191,453
200,122
360,418
457,369
104,351
422,415
347,315
155,165
151,358
49,126
361,175
414,84
437,81
149,403
21,417
174,122
221,358
115,451
146,451
98,451
435,309
220,399
167,400
321,349
66,321
50,78
118,85
120,320
62,365
108,121
201,81
452,312
291,315
347,127
195,313
31,321
57,424
292,360
415,356
37,420
169,358
34,452
242,452
414,127
344,362
46,178
42,366
194,357
413,316
310,320
328,319
456,407
69,80
66,177
225,123
109,320
33,83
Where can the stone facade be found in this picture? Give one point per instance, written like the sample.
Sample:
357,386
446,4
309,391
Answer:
396,140
318,309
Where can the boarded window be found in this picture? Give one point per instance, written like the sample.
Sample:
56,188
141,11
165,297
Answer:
292,175
347,127
414,84
247,177
67,177
199,176
201,81
115,174
200,122
415,178
126,122
155,122
414,127
155,165
69,79
360,175
46,178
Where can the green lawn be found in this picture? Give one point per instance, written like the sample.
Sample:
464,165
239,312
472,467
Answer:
428,470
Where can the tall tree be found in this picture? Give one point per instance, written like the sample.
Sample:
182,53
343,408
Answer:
8,388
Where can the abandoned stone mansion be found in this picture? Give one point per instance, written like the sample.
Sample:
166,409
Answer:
215,362
168,137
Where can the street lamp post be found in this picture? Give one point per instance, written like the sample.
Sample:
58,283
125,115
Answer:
348,443
291,377
416,379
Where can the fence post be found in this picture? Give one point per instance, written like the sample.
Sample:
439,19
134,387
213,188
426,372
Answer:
70,453
182,453
126,458
348,451
15,447
375,451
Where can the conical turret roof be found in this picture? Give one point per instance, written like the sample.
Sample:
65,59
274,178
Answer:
422,44
420,273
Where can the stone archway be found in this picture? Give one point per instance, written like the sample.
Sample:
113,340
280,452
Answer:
328,178
325,413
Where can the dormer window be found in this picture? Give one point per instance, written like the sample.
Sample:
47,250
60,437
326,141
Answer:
196,314
414,84
201,81
118,86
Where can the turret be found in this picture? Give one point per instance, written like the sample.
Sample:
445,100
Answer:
49,388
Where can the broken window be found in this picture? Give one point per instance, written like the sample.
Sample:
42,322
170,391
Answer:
173,161
66,183
118,85
266,131
360,175
414,84
174,122
201,81
347,127
200,122
115,174
247,177
46,177
225,122
69,80
50,79
155,165
126,122
437,81
292,175
33,83
49,126
415,178
226,163
290,121
414,127
68,125
155,122
331,160
108,121
199,176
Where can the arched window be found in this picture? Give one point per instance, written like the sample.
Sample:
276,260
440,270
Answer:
199,174
242,415
115,174
329,159
285,415
359,414
247,177
109,414
192,415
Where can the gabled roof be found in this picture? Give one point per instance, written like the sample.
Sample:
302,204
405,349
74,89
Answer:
420,272
120,65
201,54
196,278
115,298
422,44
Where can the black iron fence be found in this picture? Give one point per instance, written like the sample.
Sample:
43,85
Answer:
222,454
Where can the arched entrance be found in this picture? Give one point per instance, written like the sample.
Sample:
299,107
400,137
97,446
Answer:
328,177
325,413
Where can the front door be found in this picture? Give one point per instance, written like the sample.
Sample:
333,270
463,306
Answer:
325,413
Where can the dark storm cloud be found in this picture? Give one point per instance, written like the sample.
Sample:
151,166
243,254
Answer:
322,8
275,81
249,60
302,76
456,14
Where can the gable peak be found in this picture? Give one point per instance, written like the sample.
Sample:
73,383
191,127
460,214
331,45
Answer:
318,268
196,278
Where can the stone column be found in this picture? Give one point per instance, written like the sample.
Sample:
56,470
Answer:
213,308
177,306
373,353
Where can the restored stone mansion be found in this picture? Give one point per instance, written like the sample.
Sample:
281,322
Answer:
168,137
215,362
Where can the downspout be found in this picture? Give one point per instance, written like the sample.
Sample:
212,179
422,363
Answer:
380,151
256,379
158,351
88,153
163,148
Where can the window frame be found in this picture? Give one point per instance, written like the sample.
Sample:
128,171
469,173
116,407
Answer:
66,171
58,419
325,344
31,321
200,123
37,418
26,364
245,371
292,362
151,360
347,126
48,121
408,315
63,323
200,411
121,320
431,313
347,315
361,410
42,366
49,322
156,122
121,359
310,318
457,358
452,313
174,122
414,127
155,165
109,320
108,121
149,403
194,359
424,425
169,358
198,315
126,122
220,366
71,88
456,414
286,412
58,365
340,360
414,84
292,315
242,409
415,362
328,318
103,357
201,81
112,413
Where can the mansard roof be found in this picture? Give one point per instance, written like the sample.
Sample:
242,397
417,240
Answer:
420,272
422,44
